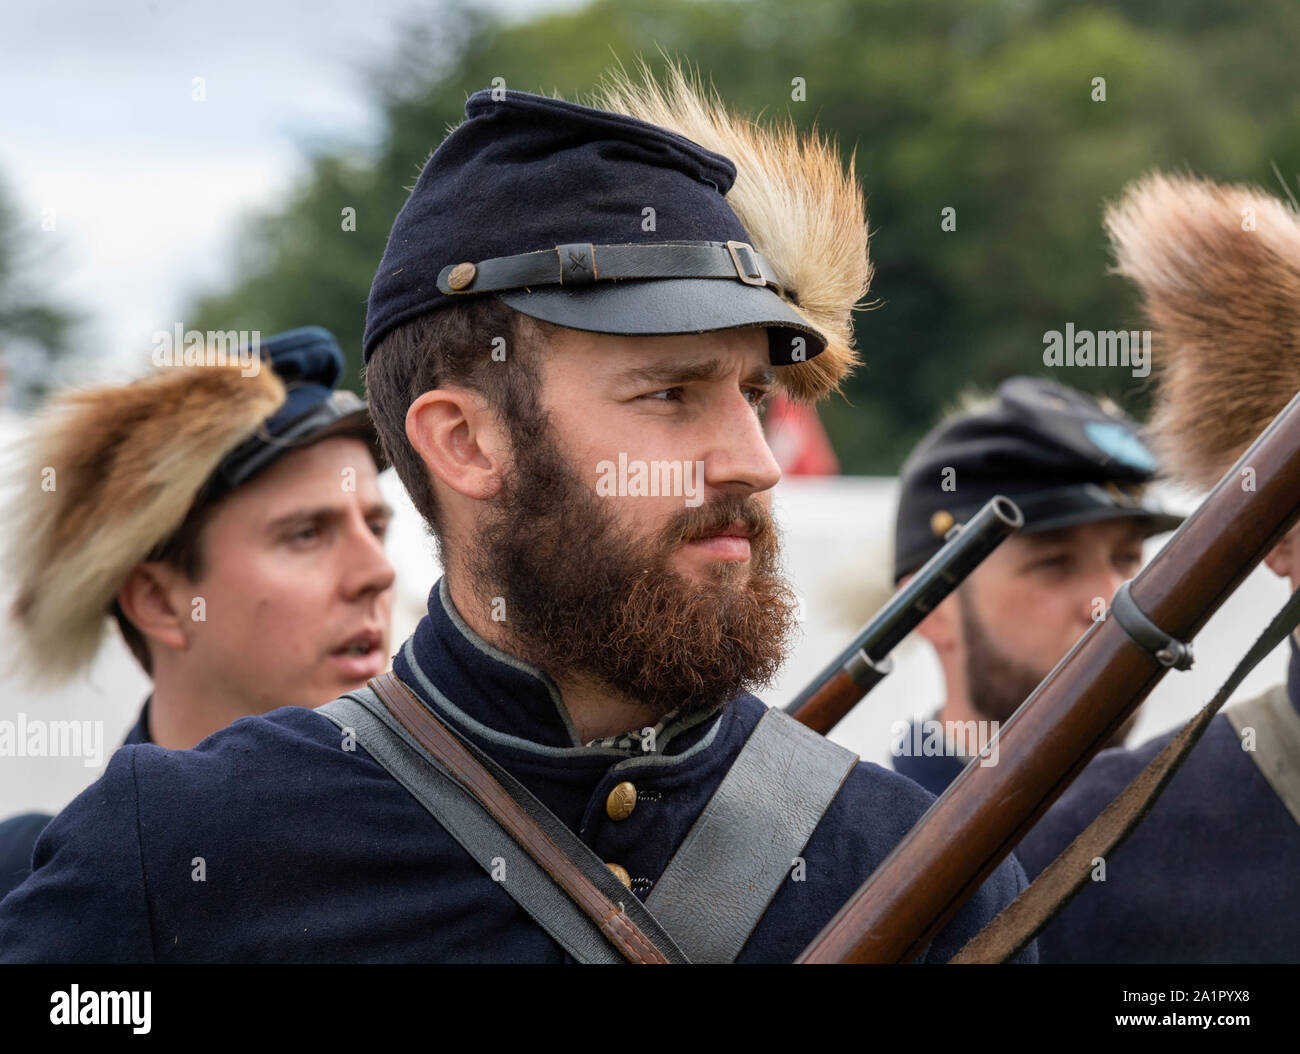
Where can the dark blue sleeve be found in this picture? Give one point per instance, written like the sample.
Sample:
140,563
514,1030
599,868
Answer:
17,839
872,814
998,890
85,900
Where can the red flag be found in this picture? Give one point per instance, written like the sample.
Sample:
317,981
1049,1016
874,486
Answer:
798,440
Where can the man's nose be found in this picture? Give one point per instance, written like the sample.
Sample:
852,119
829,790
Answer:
367,568
739,460
1101,585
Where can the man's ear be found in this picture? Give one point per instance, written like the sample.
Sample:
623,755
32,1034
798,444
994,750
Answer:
460,440
147,599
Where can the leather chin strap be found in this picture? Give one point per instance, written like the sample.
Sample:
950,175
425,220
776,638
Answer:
584,264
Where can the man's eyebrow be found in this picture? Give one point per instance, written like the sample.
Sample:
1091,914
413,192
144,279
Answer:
1042,539
326,512
685,372
305,513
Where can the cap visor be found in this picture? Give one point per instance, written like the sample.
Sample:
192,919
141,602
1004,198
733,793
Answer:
1072,506
669,306
356,425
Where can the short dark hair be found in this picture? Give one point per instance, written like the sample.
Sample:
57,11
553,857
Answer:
183,551
453,346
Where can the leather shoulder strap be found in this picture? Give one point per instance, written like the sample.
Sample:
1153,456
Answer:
512,809
361,714
721,880
1276,741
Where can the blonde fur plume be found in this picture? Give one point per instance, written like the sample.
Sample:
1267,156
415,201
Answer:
802,209
102,477
1218,267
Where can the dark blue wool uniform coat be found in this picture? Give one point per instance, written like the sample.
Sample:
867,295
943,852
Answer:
932,771
18,834
271,842
1212,874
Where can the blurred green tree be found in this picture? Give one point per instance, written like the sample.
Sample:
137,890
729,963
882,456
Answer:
992,109
35,331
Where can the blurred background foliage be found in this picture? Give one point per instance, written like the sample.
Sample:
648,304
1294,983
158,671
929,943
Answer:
35,328
983,106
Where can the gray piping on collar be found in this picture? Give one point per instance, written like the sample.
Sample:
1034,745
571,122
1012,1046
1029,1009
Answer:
685,724
656,759
444,594
519,743
505,739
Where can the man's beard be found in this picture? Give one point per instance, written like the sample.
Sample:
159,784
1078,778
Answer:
583,596
997,684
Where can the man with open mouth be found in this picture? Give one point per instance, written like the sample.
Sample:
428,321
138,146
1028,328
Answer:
231,522
566,763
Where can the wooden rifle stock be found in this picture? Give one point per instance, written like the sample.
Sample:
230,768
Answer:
979,820
865,662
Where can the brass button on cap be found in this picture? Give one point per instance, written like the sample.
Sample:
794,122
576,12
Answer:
621,874
941,522
621,801
461,275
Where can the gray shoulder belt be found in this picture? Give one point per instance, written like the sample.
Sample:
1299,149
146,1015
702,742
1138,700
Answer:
716,887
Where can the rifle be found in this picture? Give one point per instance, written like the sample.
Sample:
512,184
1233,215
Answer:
865,662
968,831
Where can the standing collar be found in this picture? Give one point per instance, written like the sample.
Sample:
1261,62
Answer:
503,699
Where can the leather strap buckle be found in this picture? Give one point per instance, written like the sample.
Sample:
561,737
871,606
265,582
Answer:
577,263
746,261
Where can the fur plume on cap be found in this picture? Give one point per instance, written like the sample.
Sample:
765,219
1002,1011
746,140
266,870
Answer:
127,462
1224,306
802,209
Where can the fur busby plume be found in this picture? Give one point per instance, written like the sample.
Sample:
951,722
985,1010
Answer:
1219,271
803,210
102,477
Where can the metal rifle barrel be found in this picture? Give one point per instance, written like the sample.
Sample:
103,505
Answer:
864,663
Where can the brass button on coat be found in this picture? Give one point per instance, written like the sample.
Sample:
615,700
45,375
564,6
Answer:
621,801
621,873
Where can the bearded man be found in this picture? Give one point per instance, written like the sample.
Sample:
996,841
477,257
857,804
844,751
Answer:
567,287
1079,471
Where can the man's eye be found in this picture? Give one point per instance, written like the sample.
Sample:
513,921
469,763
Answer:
1059,560
305,534
758,396
675,392
380,528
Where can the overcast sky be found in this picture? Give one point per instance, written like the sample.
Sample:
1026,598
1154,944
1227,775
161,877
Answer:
98,124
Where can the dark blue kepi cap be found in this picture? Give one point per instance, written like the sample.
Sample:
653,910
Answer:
309,361
548,205
1056,452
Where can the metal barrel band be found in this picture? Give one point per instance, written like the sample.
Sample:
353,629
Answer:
1164,648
